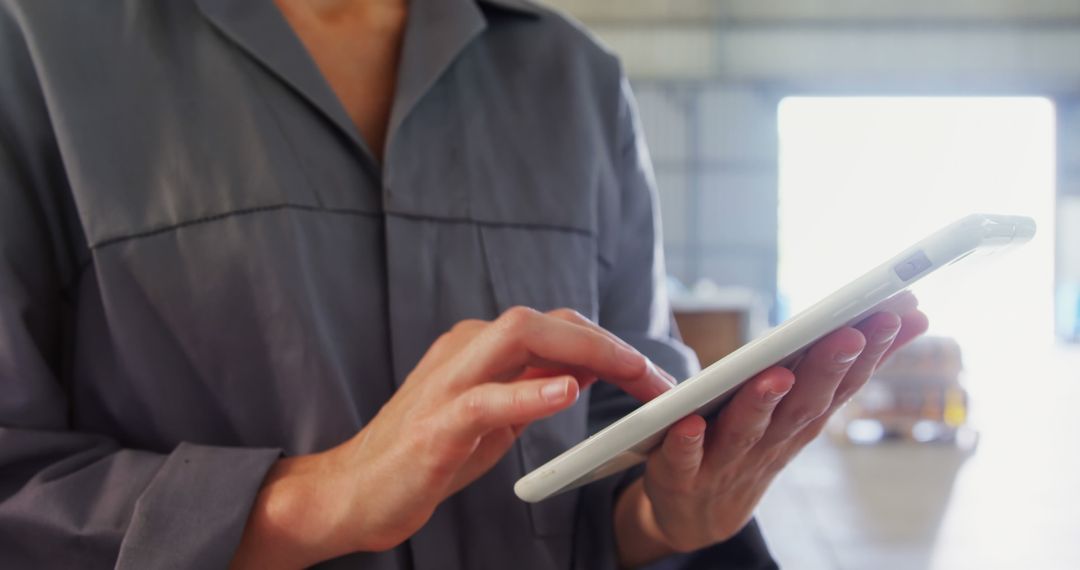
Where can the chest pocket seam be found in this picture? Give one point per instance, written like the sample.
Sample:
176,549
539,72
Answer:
105,242
492,223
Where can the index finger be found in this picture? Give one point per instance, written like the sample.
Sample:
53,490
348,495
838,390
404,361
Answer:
522,337
577,318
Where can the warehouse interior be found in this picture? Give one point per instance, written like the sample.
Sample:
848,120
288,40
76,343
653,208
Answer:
795,141
375,284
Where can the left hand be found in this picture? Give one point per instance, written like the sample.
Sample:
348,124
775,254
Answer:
701,485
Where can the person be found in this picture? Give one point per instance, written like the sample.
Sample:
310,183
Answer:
316,281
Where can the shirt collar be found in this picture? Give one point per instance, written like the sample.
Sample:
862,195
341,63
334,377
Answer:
437,31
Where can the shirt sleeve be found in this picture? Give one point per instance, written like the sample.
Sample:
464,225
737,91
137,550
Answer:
72,499
633,298
634,305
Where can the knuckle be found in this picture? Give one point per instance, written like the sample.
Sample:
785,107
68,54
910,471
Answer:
438,465
437,453
773,459
728,479
805,415
466,326
515,319
425,425
602,344
473,408
568,314
844,395
813,430
744,440
443,343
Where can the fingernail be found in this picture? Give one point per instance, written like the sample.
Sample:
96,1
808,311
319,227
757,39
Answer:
884,335
629,356
846,357
692,439
555,391
772,397
656,371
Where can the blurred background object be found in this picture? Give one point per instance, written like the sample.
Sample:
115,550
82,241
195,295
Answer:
797,141
714,320
917,396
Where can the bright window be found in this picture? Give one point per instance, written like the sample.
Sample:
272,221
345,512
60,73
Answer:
863,177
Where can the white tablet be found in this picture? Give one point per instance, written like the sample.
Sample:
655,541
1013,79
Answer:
629,440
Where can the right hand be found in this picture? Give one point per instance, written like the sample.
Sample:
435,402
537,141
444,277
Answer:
454,417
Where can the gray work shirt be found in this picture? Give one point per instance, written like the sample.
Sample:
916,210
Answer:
202,267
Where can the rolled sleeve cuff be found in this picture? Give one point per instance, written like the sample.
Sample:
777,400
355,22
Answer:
193,513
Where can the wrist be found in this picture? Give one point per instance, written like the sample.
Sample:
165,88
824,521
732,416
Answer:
295,520
638,538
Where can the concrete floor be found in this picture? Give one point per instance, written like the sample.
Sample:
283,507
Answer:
1011,503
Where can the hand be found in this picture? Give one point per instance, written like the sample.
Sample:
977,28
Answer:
701,485
453,418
